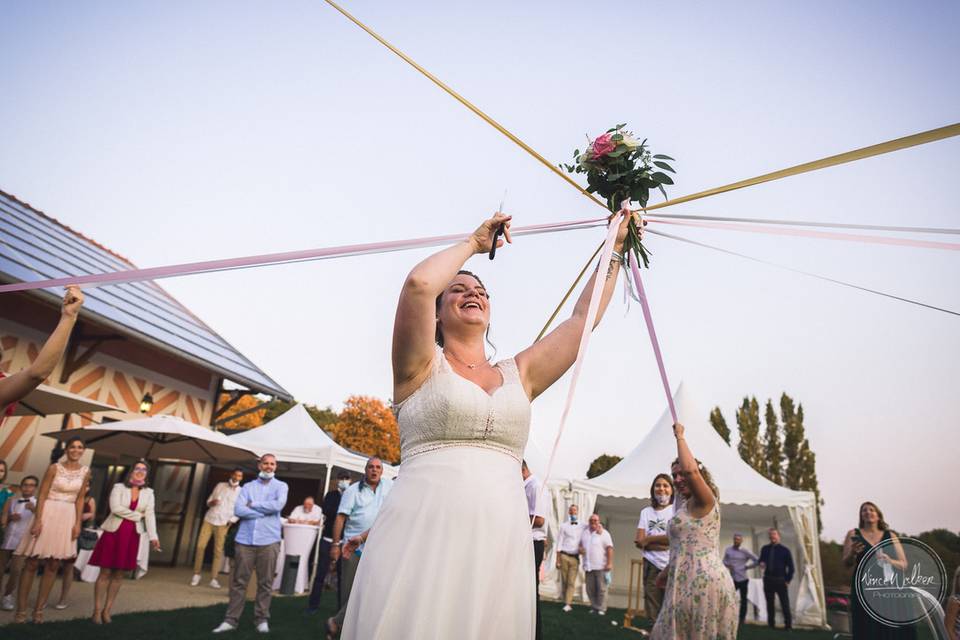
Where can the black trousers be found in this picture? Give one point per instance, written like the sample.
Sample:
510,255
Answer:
777,587
323,565
537,561
741,586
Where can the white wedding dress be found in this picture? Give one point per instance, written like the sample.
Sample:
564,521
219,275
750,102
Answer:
450,555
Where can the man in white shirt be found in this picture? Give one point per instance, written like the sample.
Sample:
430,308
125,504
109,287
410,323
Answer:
596,546
568,555
216,522
307,513
15,522
531,487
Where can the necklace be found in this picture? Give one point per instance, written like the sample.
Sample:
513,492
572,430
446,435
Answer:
466,364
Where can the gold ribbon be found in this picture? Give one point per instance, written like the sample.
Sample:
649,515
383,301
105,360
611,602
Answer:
841,158
859,154
469,105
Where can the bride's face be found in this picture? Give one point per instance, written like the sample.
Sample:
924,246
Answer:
465,302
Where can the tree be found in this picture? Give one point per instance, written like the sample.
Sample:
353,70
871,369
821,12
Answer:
792,442
367,426
275,409
808,477
772,446
323,417
248,421
602,464
720,425
748,423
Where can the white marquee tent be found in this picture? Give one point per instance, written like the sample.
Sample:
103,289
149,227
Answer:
750,504
301,446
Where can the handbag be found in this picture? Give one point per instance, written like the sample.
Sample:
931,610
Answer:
87,540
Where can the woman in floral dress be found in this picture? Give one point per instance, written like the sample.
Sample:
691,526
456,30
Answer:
700,601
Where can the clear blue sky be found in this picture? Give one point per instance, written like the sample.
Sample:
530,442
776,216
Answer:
182,131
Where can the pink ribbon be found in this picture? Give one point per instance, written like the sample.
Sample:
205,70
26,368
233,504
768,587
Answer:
807,233
209,266
648,317
593,308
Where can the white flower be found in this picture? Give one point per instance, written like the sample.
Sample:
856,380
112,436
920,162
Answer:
629,141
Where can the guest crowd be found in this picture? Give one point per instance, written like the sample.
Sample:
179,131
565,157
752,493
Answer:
690,590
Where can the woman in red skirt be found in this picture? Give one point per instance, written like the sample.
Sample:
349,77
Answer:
131,515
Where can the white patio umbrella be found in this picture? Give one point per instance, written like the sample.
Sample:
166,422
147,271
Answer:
47,401
159,437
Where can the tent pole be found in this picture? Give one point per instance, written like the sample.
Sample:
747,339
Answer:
326,483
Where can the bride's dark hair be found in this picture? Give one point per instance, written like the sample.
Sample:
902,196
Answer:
438,335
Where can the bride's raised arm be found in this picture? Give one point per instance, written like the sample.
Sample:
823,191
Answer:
542,363
415,325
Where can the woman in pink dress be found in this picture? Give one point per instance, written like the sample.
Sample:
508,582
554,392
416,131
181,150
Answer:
131,514
86,522
56,526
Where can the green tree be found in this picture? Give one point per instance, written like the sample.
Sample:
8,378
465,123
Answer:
719,424
748,423
808,479
792,442
602,464
275,409
323,417
772,446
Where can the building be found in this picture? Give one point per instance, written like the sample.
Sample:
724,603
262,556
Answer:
134,346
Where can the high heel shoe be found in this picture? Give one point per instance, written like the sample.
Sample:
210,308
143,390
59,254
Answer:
106,617
96,618
20,616
37,616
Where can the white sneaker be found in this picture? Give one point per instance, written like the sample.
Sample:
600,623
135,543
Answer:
567,607
195,580
263,627
224,626
7,603
601,613
214,584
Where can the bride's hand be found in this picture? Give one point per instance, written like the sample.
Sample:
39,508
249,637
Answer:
624,222
482,238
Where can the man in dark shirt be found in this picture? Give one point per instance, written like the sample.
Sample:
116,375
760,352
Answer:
777,564
331,502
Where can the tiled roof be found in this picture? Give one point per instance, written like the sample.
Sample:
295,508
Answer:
34,246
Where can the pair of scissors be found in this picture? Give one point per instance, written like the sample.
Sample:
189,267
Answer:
500,230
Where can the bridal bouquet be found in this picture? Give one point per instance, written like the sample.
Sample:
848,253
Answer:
619,168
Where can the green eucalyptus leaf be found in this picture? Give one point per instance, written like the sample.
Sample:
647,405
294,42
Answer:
662,178
664,166
660,156
663,191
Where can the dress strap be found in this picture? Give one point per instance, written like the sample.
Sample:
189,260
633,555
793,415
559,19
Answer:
438,364
509,370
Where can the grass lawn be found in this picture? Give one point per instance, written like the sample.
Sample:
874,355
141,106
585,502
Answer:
289,623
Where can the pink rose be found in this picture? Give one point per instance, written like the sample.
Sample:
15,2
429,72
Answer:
602,146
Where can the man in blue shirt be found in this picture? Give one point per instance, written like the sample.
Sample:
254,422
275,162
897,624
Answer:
738,560
359,507
257,544
777,564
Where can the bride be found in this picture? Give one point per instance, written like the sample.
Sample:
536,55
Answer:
450,554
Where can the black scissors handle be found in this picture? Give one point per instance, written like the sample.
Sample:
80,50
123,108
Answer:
496,237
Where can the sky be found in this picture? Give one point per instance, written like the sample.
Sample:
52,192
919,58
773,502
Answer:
181,131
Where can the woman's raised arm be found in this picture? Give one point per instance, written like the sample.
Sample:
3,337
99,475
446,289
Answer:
414,328
21,383
542,363
703,497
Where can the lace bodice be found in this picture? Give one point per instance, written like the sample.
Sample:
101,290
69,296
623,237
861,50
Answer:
66,484
449,410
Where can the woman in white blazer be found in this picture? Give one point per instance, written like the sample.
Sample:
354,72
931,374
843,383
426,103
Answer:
131,515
